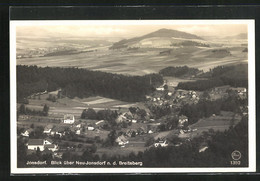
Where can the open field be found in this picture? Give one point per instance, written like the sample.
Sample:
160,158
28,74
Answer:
220,122
76,106
144,60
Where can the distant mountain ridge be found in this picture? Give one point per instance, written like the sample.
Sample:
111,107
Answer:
171,33
239,36
161,33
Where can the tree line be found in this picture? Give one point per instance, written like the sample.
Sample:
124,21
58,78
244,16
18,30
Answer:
236,76
27,111
205,108
178,71
76,82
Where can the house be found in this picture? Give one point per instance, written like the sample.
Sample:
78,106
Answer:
78,126
42,144
57,155
47,129
161,143
150,132
58,131
182,119
27,132
90,128
160,89
121,140
69,119
131,132
101,121
128,115
78,132
121,118
134,121
204,148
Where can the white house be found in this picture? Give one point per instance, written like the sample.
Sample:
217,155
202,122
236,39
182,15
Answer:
150,132
182,119
90,128
78,132
161,143
160,89
203,149
101,121
121,118
121,140
69,119
27,132
47,129
33,144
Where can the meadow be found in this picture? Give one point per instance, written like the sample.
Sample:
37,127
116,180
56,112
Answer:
145,60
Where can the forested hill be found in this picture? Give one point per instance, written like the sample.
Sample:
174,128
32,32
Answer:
179,71
236,76
81,83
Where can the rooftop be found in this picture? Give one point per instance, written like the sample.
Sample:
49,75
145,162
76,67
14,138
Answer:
35,142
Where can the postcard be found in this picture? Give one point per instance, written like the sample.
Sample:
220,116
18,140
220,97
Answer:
132,96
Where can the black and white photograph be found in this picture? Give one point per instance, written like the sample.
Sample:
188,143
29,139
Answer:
127,96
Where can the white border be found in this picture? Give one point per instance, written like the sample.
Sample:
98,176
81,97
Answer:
251,105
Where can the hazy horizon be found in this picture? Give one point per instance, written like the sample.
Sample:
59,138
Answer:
124,31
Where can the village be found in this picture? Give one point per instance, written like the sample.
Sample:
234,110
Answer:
135,128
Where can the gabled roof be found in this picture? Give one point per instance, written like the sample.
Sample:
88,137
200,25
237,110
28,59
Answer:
49,140
183,117
49,146
49,126
35,142
121,138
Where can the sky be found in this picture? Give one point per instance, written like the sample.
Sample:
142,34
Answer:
123,30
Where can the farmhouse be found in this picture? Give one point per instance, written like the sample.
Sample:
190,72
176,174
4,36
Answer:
47,129
27,132
121,140
121,118
90,128
69,119
42,144
182,119
78,132
203,149
160,89
161,143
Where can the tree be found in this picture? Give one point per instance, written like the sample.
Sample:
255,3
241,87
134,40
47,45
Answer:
87,156
165,87
111,138
141,113
45,110
149,142
21,153
22,109
37,133
133,134
133,110
89,114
